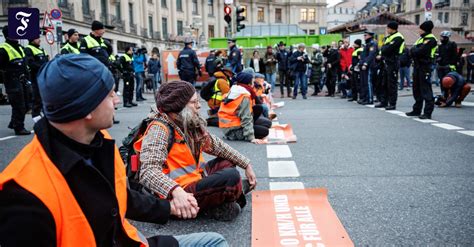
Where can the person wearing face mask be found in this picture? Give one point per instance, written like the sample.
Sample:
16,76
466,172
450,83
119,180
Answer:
446,59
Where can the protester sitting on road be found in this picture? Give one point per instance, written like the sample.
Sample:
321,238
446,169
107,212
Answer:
68,187
239,117
455,89
221,87
262,90
180,174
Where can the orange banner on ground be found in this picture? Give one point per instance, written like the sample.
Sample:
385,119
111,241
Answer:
296,218
282,133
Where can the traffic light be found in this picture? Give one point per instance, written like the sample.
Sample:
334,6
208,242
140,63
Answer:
239,12
227,11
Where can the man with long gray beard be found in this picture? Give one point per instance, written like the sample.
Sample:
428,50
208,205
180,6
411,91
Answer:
179,173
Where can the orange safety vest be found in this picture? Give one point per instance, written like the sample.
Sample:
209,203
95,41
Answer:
35,172
180,164
228,112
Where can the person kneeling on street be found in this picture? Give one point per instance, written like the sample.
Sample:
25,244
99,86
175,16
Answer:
221,86
68,186
180,174
455,90
239,117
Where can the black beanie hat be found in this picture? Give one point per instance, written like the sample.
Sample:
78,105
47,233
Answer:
427,26
5,31
358,42
97,25
71,32
393,25
174,96
244,78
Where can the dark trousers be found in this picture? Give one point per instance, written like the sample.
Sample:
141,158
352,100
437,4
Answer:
220,183
355,84
18,100
422,91
366,94
37,105
331,80
390,85
470,74
284,81
128,84
188,76
117,80
378,84
261,124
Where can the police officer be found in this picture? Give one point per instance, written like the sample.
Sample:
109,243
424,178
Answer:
390,51
210,66
35,58
14,71
367,66
71,46
188,63
234,60
446,59
126,68
423,53
355,71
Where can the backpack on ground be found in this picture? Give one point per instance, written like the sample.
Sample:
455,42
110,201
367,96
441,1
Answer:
207,90
129,155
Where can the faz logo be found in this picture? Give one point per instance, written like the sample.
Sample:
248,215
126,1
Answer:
23,23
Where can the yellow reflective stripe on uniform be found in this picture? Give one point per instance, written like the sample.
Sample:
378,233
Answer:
92,43
71,49
178,172
422,40
452,67
392,37
217,95
112,57
36,51
354,53
127,58
12,52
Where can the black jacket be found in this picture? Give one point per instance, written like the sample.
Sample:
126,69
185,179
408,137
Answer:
261,65
421,53
35,62
210,66
101,53
89,172
369,53
447,54
298,65
188,61
334,58
282,57
235,59
391,51
405,59
126,67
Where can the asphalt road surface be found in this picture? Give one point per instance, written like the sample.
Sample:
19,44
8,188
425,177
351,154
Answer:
392,180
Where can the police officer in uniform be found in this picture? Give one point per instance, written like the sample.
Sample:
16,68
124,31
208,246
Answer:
126,68
71,46
446,59
94,45
234,60
188,63
367,66
35,58
423,53
390,51
210,66
14,71
355,71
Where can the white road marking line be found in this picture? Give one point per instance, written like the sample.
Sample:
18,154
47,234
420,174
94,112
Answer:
380,109
425,120
7,138
286,186
395,112
278,151
467,132
371,106
447,126
403,115
467,103
282,169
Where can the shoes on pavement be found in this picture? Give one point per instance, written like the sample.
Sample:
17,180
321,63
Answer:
314,94
304,97
282,96
127,105
457,105
380,105
390,108
412,114
294,97
133,103
289,95
360,102
225,212
22,132
364,103
140,99
343,96
424,116
116,121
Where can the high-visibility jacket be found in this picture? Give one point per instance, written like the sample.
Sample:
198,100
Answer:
34,171
180,165
227,114
37,51
92,43
17,64
422,40
392,37
70,49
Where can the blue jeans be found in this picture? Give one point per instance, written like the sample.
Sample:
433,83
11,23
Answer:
157,80
404,75
300,79
271,78
202,239
139,77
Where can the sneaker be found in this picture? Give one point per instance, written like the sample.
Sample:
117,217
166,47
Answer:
225,212
412,114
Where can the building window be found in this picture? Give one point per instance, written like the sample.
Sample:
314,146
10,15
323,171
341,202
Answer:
150,25
210,31
340,10
417,19
312,32
164,27
130,13
347,11
311,15
85,7
446,17
305,31
210,4
179,5
164,4
465,1
180,28
464,19
278,18
440,16
260,14
304,15
103,7
195,7
118,11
